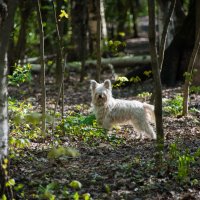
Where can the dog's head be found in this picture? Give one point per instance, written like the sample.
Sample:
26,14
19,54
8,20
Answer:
101,92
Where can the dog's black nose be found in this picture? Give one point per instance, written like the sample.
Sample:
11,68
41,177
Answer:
100,96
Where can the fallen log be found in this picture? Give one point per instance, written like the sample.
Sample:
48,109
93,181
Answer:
116,62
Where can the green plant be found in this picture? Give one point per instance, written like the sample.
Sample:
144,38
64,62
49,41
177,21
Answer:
144,95
184,162
121,80
47,192
174,151
85,128
55,190
195,89
62,151
189,76
148,73
135,79
173,106
113,45
25,126
20,75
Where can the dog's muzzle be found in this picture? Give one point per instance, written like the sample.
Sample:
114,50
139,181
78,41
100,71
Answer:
100,96
100,99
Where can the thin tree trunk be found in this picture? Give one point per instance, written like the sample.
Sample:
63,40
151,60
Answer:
103,20
42,67
196,77
133,9
156,75
61,85
83,40
164,34
98,40
21,43
5,31
164,39
189,74
60,27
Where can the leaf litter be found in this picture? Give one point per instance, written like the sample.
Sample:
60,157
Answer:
120,167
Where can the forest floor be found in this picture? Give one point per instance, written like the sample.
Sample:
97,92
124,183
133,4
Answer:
112,166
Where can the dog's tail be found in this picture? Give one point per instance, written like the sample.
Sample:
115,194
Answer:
149,111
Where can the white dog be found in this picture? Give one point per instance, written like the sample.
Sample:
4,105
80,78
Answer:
110,111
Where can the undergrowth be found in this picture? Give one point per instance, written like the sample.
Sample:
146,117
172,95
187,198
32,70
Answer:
25,126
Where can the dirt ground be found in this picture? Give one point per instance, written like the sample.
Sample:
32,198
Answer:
115,172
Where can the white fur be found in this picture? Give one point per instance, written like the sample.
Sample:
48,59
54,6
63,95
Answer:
110,111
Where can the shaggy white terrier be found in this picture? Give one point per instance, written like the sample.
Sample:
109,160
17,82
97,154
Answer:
110,111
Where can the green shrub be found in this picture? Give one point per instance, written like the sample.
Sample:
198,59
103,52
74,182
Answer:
174,106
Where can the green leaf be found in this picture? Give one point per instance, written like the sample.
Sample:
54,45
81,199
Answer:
62,151
69,151
19,187
63,14
4,197
10,183
107,188
76,196
75,184
86,196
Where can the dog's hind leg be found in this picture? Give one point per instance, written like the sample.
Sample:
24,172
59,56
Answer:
143,127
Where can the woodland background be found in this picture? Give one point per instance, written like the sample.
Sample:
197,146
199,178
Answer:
50,144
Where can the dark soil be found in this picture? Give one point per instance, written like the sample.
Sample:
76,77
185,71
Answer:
124,171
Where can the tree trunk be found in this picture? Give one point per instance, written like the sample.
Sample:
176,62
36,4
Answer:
83,50
61,81
98,72
42,67
157,80
178,53
92,26
133,9
165,30
176,20
16,53
4,129
77,22
196,77
60,27
189,74
103,20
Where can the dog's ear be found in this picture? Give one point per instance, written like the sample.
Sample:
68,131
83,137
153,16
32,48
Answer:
107,84
93,84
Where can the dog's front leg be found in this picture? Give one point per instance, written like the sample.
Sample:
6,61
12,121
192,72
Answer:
107,123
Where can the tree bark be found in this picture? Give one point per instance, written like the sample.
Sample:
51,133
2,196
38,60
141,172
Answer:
17,52
175,21
5,31
103,20
156,76
196,77
178,53
59,31
164,33
83,50
92,25
77,22
61,82
98,72
189,74
42,67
